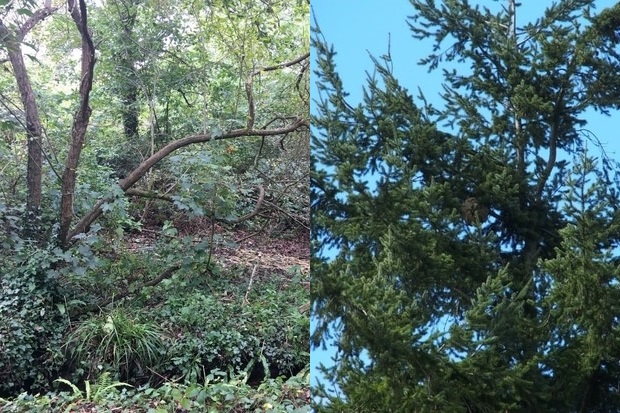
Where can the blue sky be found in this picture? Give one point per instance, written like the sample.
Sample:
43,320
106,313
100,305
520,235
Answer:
366,26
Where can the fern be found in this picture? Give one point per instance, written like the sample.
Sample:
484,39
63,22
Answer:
77,393
98,390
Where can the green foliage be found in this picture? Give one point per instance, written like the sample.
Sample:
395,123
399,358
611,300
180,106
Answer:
583,298
216,394
206,184
165,71
268,336
9,226
31,331
189,329
98,392
434,311
117,341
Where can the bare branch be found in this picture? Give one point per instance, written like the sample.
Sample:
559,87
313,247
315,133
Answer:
36,17
167,273
144,167
283,65
301,221
259,202
249,84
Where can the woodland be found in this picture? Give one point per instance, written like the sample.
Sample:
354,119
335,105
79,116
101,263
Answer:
154,206
467,260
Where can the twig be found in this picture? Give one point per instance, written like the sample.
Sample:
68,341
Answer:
245,297
304,308
164,378
259,202
297,219
239,241
283,65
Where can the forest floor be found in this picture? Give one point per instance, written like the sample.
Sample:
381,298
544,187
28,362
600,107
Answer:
245,255
240,247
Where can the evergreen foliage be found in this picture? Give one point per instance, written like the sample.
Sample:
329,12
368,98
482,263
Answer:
475,267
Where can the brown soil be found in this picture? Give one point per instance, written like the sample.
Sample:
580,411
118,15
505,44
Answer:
239,247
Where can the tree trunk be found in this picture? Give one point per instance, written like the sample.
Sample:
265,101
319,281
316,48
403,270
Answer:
80,120
34,131
126,60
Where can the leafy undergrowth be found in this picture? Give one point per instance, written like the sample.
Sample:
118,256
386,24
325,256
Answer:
215,394
205,338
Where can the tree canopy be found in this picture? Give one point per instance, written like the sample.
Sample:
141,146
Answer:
127,128
173,73
475,263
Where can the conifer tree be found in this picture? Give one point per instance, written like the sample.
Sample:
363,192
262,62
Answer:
475,266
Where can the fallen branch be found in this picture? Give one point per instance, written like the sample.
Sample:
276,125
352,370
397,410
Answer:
247,293
156,195
145,166
261,198
302,221
167,273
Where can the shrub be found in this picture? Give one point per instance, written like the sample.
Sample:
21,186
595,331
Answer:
31,328
116,342
267,337
218,393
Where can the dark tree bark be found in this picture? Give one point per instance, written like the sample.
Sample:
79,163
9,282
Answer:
126,60
80,119
34,130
